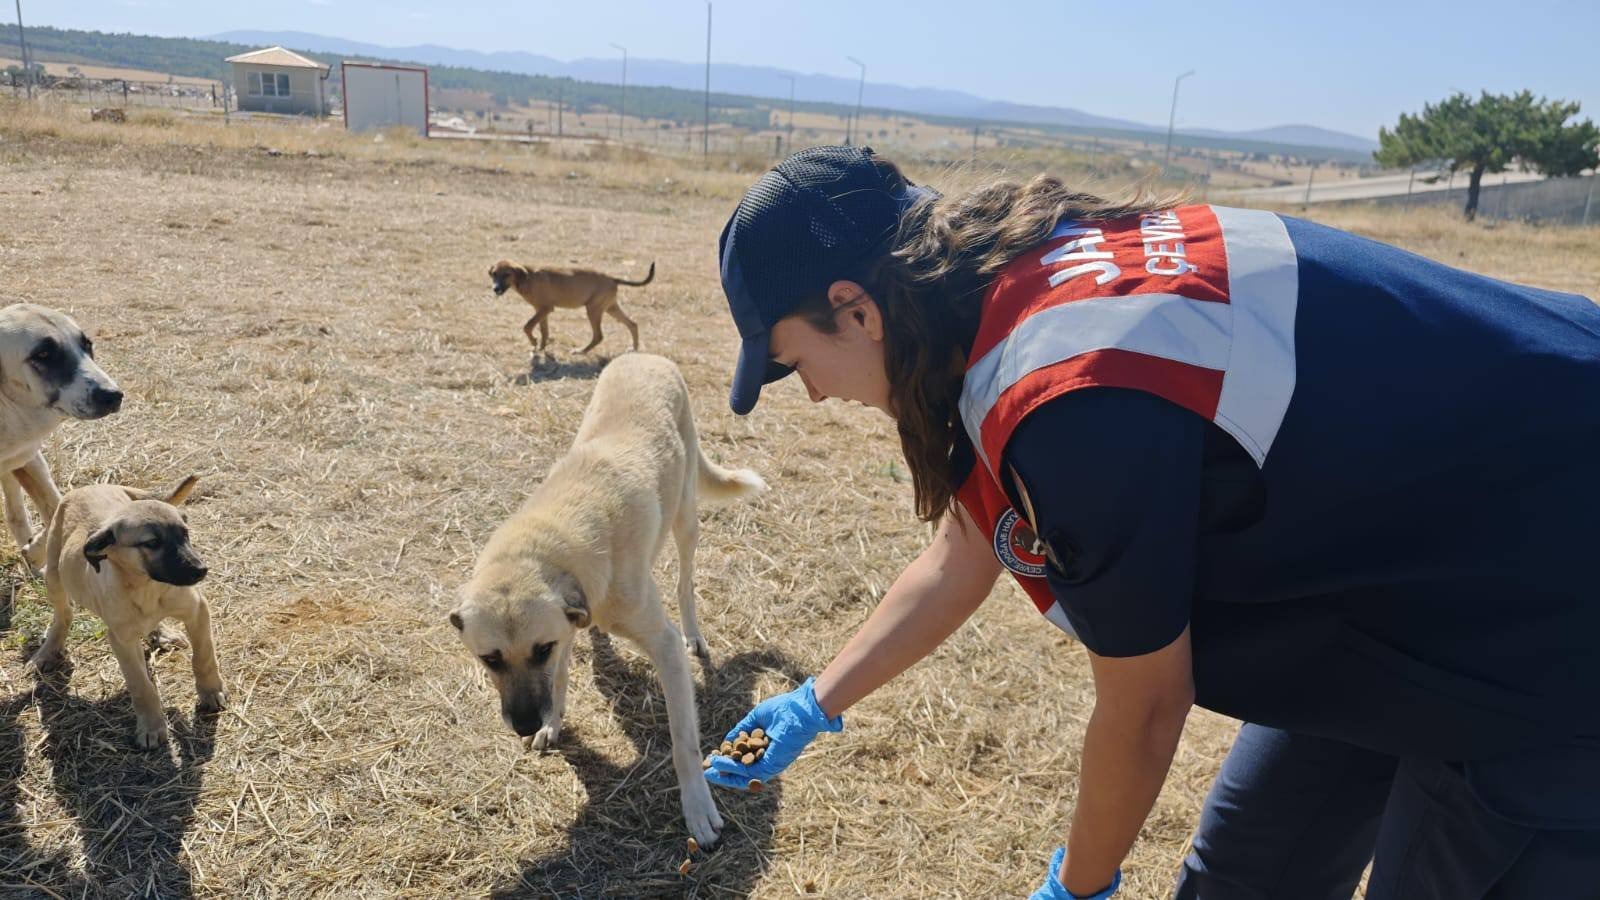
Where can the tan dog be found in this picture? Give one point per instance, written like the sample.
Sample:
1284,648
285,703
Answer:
47,375
547,289
124,555
579,553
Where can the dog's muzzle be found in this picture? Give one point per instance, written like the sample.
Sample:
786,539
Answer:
524,712
499,289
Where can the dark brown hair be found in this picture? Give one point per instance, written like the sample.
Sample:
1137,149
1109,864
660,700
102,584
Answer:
930,287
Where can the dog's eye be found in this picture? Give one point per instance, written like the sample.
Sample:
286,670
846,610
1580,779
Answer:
494,661
44,353
88,346
541,652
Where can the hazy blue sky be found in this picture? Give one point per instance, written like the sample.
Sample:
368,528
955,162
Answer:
1350,65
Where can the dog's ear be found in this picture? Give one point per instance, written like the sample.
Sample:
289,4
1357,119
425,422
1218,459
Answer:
181,492
94,549
573,601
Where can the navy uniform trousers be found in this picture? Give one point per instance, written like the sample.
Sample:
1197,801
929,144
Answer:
1297,817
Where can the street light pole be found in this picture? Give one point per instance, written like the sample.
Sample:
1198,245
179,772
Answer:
860,87
789,133
622,107
706,132
1172,118
27,70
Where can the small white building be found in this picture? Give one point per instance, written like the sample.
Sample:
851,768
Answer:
279,81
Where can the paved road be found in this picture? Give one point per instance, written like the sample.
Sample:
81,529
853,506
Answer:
1372,188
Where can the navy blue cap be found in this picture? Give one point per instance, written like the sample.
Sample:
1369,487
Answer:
823,214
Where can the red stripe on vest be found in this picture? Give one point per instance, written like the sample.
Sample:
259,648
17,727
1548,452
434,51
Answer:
1023,287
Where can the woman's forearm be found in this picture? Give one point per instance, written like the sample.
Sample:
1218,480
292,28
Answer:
926,604
1126,755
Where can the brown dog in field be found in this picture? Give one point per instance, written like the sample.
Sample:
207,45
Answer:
548,289
124,555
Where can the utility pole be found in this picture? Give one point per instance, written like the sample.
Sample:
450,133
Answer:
1309,179
22,38
705,135
622,108
559,109
1589,202
860,87
1172,118
790,131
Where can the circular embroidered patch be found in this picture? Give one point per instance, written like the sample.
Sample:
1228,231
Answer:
1018,548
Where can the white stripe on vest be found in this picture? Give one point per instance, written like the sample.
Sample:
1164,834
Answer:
1250,339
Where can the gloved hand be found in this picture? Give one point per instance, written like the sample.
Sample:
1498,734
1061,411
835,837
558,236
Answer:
1052,889
791,721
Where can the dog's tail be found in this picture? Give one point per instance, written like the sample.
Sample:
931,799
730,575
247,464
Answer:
717,483
648,275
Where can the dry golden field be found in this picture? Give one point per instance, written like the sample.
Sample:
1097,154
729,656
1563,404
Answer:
315,335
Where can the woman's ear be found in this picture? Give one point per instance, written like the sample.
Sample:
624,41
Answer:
865,314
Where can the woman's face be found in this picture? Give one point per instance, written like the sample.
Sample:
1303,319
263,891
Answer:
848,364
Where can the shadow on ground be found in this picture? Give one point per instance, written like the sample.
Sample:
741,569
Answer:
629,838
131,808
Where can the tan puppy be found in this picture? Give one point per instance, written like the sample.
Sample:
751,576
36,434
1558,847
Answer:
124,555
579,553
47,375
547,289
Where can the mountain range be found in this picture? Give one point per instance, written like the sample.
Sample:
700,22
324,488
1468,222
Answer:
766,81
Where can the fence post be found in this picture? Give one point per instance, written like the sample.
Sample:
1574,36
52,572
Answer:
1409,182
1309,179
124,93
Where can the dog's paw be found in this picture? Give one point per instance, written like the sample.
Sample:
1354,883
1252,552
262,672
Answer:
165,639
211,700
148,735
45,661
545,738
700,813
697,646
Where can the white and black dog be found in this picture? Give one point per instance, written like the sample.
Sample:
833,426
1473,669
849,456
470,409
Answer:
47,375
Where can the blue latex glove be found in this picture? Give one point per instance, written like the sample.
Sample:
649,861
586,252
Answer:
791,721
1052,889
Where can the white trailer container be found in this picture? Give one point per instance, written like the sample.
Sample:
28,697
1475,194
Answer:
383,96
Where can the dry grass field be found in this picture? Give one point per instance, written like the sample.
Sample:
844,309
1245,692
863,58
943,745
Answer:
315,335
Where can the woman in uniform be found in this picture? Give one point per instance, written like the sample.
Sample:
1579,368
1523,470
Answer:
1340,492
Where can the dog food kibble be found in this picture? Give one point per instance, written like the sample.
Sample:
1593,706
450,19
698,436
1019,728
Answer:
694,846
754,786
705,763
683,867
748,759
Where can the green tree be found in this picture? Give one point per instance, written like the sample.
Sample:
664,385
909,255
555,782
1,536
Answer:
1490,134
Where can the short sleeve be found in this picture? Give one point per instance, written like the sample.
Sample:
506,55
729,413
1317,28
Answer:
1114,480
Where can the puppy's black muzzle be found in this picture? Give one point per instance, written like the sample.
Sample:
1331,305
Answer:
182,569
500,288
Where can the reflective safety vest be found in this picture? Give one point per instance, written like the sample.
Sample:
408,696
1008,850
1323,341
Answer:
1195,305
